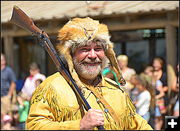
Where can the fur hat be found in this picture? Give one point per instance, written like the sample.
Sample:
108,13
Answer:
79,31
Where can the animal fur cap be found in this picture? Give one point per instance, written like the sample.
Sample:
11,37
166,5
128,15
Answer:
77,32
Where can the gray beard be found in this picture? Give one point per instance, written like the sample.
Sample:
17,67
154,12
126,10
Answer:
89,72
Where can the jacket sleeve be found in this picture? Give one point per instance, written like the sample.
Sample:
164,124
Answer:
41,118
139,123
48,113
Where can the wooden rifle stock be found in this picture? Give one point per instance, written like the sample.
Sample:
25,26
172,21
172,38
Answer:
21,19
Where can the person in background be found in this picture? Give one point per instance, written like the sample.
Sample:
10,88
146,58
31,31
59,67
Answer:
15,116
158,66
143,99
7,120
29,84
148,73
175,88
134,91
8,87
127,72
160,105
24,104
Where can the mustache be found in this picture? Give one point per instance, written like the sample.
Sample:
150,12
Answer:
91,61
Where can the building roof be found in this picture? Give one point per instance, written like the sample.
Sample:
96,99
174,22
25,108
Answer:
39,10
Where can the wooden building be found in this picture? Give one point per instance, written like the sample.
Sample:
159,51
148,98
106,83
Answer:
148,26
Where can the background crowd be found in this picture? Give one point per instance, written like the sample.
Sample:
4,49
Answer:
16,95
148,91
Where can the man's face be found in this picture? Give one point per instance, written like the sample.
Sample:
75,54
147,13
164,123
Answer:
88,60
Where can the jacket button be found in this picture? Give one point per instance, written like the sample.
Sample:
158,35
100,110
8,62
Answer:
106,110
98,101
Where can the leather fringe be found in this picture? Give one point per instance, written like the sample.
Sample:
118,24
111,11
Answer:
61,113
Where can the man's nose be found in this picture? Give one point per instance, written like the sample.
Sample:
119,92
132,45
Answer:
92,54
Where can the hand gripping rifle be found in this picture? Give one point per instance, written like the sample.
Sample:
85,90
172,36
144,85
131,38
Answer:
21,19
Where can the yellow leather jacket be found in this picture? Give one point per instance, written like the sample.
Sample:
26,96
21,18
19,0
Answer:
54,106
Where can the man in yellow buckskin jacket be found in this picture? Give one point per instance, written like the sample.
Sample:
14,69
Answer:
86,46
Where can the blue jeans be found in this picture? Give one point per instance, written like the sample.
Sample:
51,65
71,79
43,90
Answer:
21,125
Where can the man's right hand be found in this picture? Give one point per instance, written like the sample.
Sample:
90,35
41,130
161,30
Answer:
91,119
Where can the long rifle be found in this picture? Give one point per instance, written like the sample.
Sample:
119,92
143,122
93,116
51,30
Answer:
21,19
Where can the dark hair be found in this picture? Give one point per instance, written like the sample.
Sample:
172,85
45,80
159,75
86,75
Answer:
39,80
161,61
34,66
